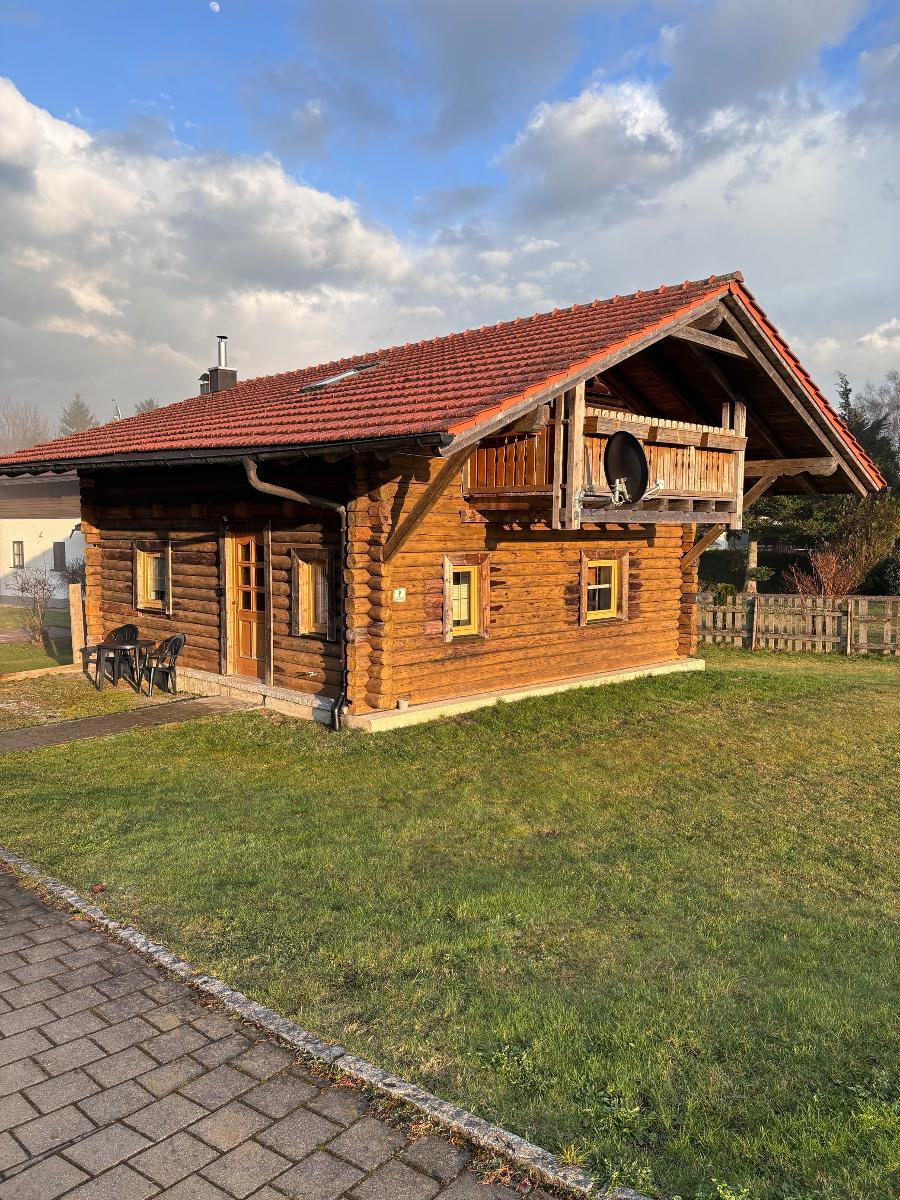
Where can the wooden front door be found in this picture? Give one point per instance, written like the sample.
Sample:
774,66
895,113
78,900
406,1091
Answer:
248,605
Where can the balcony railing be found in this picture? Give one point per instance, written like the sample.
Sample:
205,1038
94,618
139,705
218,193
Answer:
694,469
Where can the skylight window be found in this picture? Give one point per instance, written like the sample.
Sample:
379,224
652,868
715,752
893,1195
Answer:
329,379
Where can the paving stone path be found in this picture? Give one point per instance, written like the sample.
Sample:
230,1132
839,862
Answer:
116,1083
59,733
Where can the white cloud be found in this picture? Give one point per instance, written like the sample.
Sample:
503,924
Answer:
884,337
120,263
610,140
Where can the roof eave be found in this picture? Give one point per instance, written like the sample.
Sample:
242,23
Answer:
211,456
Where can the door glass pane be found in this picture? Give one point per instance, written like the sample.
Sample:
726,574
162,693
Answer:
247,601
245,577
260,577
244,551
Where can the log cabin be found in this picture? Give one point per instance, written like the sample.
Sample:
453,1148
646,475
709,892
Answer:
424,529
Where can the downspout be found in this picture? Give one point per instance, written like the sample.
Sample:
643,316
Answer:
274,489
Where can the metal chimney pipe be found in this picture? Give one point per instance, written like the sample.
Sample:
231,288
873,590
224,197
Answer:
223,349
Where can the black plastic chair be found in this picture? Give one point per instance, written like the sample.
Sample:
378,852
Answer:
122,633
162,661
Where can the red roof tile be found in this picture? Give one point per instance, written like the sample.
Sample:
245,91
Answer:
440,386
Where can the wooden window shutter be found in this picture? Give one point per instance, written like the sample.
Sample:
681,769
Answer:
582,588
296,586
135,571
448,599
623,587
484,595
168,560
332,576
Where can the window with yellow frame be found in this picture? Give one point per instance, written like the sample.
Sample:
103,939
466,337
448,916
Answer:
312,609
151,571
602,589
464,602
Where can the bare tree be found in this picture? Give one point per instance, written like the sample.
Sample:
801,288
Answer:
36,587
881,402
828,576
21,424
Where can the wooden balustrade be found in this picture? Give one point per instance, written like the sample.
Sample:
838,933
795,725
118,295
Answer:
693,461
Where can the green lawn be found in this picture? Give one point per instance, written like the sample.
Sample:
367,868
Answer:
21,656
652,926
49,698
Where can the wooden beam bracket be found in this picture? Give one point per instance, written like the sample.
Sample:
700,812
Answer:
716,531
402,532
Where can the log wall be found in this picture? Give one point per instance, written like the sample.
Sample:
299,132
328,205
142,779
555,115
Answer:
187,507
395,650
534,635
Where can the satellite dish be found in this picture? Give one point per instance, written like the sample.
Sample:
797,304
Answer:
625,467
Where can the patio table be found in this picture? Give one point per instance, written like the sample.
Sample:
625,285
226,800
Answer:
136,651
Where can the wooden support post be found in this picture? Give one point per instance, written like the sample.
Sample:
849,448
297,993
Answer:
558,442
76,620
752,602
848,625
740,428
574,481
402,532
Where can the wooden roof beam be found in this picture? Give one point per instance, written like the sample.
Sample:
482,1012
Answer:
789,387
623,389
755,468
756,423
710,341
671,379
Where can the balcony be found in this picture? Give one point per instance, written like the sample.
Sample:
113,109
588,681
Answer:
696,471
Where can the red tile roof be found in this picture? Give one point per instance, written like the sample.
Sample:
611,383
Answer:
441,386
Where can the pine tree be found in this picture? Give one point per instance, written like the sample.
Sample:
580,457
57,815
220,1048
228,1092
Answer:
76,417
145,406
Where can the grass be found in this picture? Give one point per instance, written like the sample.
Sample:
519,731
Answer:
22,656
12,617
49,698
651,926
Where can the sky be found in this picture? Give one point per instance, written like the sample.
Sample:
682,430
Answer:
318,178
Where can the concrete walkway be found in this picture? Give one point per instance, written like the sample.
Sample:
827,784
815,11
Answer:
34,737
117,1084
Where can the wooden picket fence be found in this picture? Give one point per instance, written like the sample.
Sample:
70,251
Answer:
821,624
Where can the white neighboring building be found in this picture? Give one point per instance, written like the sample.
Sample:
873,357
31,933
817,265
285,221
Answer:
39,527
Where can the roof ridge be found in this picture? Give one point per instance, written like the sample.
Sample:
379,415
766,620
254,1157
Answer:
352,359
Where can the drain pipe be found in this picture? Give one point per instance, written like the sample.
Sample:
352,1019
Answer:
274,489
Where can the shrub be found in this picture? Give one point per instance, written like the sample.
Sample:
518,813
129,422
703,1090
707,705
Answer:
73,572
36,587
885,579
